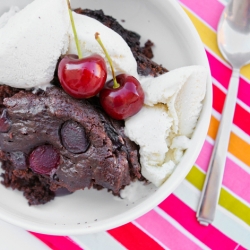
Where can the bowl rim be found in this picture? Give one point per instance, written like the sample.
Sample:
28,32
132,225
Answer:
144,206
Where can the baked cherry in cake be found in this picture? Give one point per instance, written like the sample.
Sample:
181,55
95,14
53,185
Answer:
44,159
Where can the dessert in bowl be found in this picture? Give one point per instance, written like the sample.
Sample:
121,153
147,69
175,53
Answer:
91,210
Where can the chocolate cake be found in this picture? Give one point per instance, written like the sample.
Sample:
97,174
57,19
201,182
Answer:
51,141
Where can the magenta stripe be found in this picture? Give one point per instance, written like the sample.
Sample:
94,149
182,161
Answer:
184,215
222,74
57,242
208,10
165,232
235,178
240,248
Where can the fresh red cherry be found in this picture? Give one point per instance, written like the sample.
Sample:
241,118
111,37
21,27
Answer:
123,96
123,101
82,78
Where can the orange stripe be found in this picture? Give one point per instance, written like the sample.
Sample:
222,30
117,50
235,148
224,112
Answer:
237,147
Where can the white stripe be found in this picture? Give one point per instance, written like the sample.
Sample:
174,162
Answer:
79,242
12,238
180,228
150,235
239,132
216,114
224,221
219,85
210,140
97,241
246,79
201,170
224,2
236,220
237,247
243,105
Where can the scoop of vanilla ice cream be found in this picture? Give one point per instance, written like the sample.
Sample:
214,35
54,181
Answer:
188,102
31,42
7,15
149,128
183,90
117,48
162,128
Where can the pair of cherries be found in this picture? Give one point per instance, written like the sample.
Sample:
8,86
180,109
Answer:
121,97
86,77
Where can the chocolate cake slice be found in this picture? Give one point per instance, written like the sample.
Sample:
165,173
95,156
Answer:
91,147
50,141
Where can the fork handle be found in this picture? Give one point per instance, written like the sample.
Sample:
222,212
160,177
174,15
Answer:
211,189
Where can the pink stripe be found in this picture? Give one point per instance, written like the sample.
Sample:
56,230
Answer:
57,242
184,215
235,178
240,248
208,10
222,74
165,232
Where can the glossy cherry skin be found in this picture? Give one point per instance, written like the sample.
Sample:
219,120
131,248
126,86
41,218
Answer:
125,101
82,78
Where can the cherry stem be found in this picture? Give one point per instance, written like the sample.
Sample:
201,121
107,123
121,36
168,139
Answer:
74,31
98,39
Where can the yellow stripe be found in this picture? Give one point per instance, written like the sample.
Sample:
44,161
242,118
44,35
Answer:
226,200
209,38
237,147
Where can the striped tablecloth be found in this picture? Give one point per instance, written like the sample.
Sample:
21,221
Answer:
173,224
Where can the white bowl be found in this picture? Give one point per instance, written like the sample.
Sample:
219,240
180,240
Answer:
176,44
